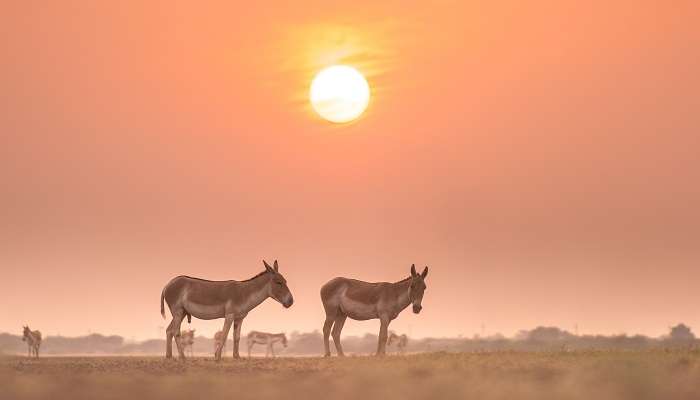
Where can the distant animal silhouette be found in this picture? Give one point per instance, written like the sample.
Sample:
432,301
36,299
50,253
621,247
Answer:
219,341
269,339
343,297
187,340
33,339
400,340
232,300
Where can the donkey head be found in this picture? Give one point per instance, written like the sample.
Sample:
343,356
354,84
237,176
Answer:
415,291
278,289
26,333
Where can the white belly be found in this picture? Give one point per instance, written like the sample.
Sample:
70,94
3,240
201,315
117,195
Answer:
202,311
357,310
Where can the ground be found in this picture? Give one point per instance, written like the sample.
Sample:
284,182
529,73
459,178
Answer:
600,375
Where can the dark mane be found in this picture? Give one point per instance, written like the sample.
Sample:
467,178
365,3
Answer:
200,279
260,274
404,280
230,280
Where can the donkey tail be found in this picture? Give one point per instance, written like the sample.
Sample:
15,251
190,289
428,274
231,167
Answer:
162,304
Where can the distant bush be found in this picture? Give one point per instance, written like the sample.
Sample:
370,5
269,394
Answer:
681,332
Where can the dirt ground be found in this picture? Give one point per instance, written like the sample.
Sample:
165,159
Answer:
501,375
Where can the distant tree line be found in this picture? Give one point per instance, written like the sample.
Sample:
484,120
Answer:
541,338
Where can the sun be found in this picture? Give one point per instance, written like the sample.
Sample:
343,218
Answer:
339,93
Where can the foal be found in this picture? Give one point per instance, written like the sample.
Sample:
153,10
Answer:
268,339
33,339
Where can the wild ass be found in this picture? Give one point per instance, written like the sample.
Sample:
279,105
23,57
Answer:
33,339
233,300
219,341
187,340
343,297
269,339
400,340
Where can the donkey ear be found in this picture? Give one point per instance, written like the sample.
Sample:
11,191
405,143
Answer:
425,272
267,266
413,270
275,266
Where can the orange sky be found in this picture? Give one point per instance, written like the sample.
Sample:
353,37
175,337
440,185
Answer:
540,157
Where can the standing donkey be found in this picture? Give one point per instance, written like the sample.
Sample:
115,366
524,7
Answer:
269,339
219,341
231,300
400,340
33,339
344,297
187,340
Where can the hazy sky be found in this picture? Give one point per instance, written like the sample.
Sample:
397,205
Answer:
541,157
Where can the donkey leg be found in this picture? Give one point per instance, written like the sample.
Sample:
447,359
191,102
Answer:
180,346
272,349
179,343
170,332
337,328
176,323
384,327
227,328
250,346
237,323
326,335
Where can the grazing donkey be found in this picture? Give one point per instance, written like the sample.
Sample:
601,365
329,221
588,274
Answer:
343,297
233,300
219,341
187,339
400,340
33,339
269,339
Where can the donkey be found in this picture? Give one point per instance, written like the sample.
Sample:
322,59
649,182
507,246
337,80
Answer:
343,297
187,340
33,339
231,300
400,340
219,341
269,339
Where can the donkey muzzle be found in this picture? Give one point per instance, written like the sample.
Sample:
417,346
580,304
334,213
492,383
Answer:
417,308
288,302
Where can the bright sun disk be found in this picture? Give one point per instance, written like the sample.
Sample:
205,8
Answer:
339,93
